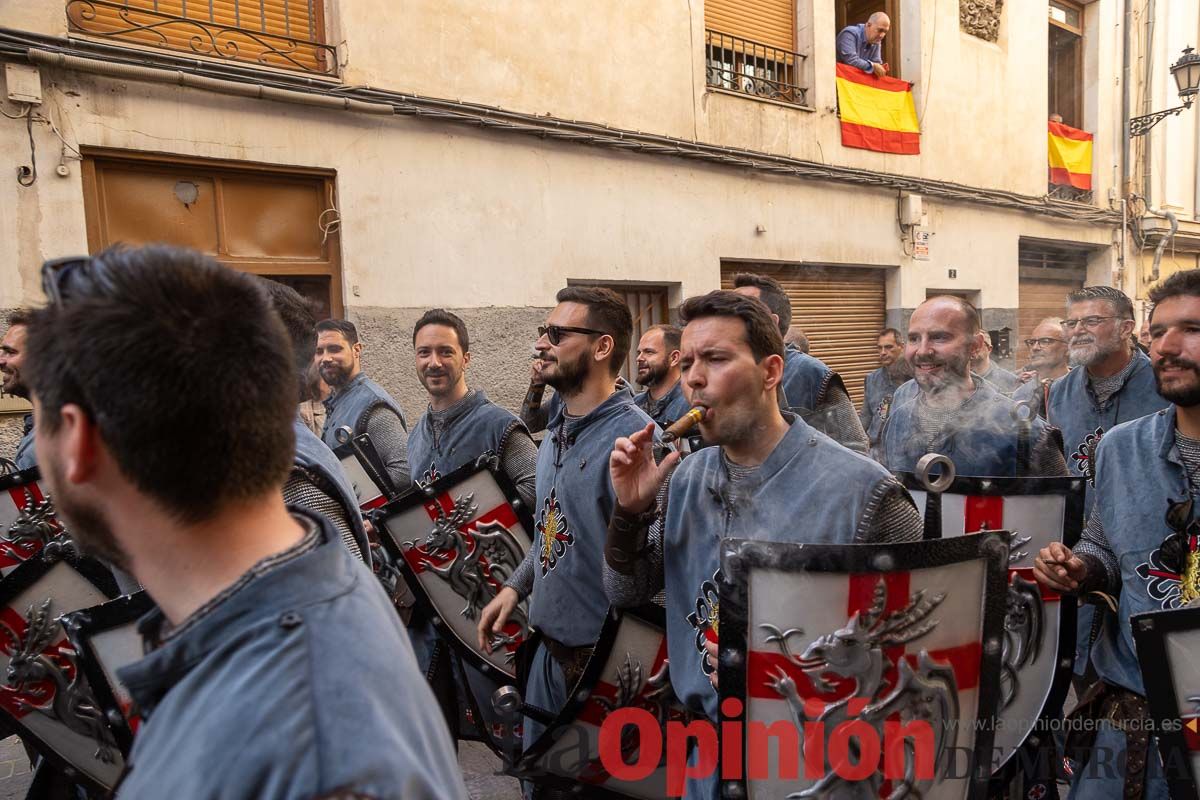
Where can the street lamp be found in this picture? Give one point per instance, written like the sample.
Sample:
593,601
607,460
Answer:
1187,77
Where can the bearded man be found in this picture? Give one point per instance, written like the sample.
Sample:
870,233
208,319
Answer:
658,375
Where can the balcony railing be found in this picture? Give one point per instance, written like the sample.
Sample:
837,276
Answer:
1063,192
275,33
740,65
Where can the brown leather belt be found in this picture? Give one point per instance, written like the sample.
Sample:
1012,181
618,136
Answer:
1126,711
572,660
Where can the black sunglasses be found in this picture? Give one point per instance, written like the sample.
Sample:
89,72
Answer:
64,277
555,332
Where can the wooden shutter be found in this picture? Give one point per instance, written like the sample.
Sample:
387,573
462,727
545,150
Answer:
264,28
840,310
1047,275
770,22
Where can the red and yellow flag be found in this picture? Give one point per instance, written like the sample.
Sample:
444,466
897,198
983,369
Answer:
1070,156
877,113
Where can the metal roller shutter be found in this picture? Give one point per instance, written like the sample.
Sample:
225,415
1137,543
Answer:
1047,275
768,22
840,310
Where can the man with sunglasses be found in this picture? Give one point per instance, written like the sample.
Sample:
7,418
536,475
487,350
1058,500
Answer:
12,362
1112,383
1137,549
583,344
1047,363
273,653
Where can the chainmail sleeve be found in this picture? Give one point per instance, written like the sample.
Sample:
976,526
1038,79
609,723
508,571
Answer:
518,459
1046,458
536,417
391,442
890,516
1094,549
835,417
301,490
521,580
633,572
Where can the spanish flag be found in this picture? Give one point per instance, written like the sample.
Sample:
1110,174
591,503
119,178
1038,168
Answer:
1070,156
877,113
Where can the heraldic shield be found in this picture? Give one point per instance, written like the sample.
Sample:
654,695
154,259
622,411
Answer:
106,638
1039,628
457,542
27,519
861,671
45,694
627,669
1167,643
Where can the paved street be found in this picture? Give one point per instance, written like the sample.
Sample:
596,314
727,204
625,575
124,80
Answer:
478,764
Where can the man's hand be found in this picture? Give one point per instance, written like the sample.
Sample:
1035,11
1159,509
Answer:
880,70
535,372
495,616
710,655
1060,569
635,476
1027,375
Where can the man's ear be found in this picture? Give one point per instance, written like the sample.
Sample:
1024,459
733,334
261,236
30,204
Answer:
79,443
604,347
977,346
772,367
466,361
673,358
357,349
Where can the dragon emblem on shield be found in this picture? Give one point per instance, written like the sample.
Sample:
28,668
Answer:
554,533
885,686
34,528
706,619
477,557
653,694
1085,455
43,677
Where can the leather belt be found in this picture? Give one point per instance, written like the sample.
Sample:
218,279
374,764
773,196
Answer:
572,660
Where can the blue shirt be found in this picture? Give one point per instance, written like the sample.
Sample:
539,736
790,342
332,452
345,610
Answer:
853,49
297,681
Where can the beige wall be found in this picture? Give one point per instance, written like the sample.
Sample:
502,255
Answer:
430,211
639,65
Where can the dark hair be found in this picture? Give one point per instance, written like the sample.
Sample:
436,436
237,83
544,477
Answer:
606,312
440,316
343,326
1180,284
772,293
895,334
139,352
1122,305
19,316
299,317
672,335
762,334
974,324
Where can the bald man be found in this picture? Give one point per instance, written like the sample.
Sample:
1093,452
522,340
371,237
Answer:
861,45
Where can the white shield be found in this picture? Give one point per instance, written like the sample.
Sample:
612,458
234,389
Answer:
1167,644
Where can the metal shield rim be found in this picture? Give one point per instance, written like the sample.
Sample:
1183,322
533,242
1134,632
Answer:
739,556
1149,632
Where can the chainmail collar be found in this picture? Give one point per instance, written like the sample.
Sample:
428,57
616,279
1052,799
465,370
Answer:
332,401
441,420
1104,388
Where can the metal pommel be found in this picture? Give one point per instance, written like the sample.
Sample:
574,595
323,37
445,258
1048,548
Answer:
344,434
925,469
506,700
684,424
1024,411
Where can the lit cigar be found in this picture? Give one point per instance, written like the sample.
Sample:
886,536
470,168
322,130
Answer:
684,424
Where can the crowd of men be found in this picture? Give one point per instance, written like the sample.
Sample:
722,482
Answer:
165,391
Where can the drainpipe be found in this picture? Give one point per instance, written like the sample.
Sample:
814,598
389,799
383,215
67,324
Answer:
1162,242
1148,101
1126,77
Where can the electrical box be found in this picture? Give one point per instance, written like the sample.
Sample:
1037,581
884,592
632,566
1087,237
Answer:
912,209
24,83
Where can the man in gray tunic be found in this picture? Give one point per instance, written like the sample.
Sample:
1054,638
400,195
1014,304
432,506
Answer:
658,375
358,402
1004,381
879,387
809,387
276,666
12,360
773,477
1048,361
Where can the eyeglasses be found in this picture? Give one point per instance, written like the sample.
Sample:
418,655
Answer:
1045,341
64,277
555,332
1087,322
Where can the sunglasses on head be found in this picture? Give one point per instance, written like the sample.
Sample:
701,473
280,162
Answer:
555,332
63,278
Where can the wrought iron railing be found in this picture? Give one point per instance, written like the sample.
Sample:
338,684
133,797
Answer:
740,65
1057,191
276,33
